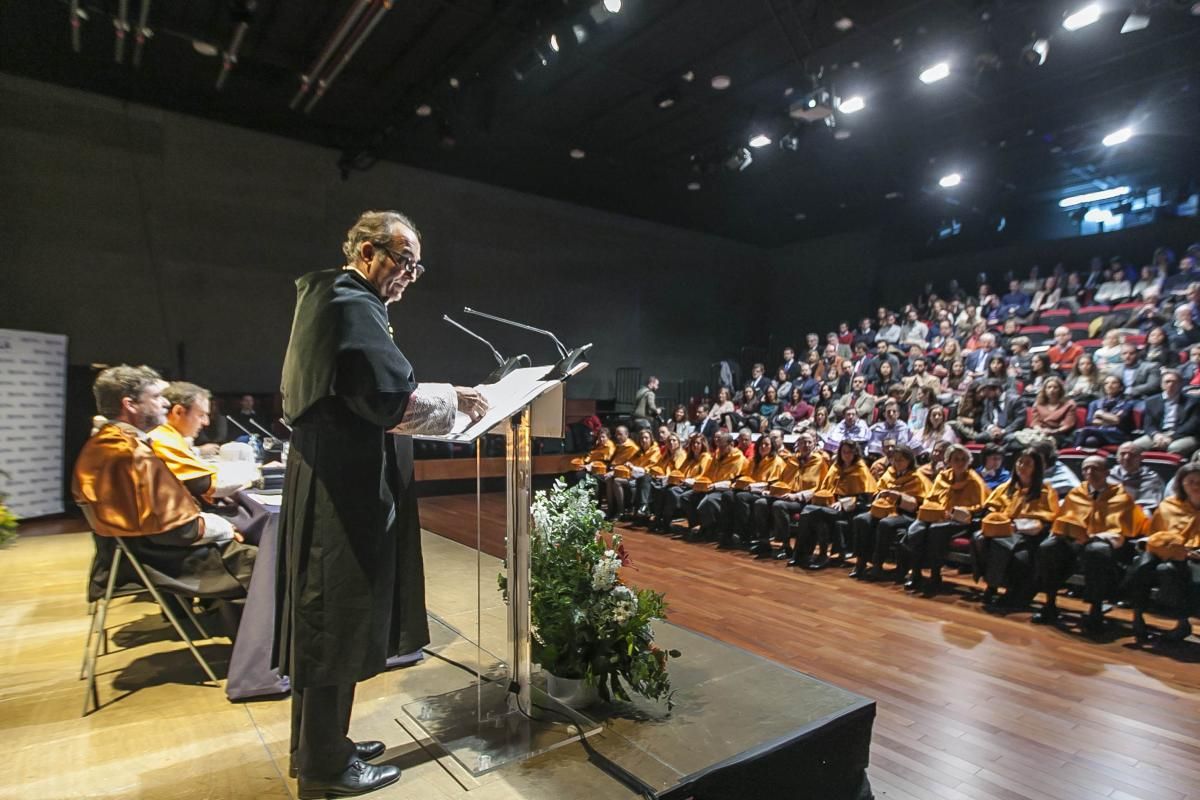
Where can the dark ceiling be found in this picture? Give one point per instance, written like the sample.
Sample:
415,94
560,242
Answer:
1019,135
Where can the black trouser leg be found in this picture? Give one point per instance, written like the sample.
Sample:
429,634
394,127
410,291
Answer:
862,528
743,514
887,533
1101,571
914,545
690,502
807,532
320,723
1140,580
937,543
760,518
641,494
612,490
714,512
1054,564
781,521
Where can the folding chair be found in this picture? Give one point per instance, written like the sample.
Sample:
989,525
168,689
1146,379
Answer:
92,650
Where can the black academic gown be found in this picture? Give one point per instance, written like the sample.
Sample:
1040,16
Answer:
350,583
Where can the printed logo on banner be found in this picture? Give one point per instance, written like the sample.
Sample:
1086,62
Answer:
32,413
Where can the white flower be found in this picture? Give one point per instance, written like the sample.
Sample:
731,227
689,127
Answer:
604,573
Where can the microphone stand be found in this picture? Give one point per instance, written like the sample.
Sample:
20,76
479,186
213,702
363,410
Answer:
569,360
506,365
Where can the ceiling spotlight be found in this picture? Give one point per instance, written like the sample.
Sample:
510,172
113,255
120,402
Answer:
720,82
581,33
800,216
424,110
577,154
1135,22
789,142
1082,18
554,42
892,196
1035,53
666,98
454,83
689,76
1119,136
1100,215
851,105
203,48
950,181
1094,197
760,140
841,134
612,6
935,73
844,24
694,186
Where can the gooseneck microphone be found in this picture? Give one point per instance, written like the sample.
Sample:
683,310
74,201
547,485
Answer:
505,365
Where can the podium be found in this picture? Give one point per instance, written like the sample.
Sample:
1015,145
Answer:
503,717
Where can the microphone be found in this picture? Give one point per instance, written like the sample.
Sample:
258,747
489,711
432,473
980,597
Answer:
266,432
240,426
506,365
284,424
562,350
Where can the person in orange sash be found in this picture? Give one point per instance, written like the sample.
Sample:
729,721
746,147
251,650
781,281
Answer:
765,469
624,451
834,502
1171,560
654,479
893,510
708,508
1020,512
602,451
126,491
804,471
666,500
1093,531
621,482
957,495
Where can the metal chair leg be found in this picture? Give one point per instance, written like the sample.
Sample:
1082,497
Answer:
91,694
186,604
137,565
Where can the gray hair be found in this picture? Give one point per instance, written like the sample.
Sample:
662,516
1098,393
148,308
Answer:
116,383
375,227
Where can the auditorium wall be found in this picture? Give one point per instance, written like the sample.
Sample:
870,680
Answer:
150,237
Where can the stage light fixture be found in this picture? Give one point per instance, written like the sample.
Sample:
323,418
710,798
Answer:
454,83
666,98
760,140
612,6
554,42
203,48
937,72
813,107
577,153
739,160
800,216
843,24
841,135
721,82
694,186
1135,22
1119,136
1094,197
852,104
1035,53
424,110
950,181
1099,215
1082,18
789,142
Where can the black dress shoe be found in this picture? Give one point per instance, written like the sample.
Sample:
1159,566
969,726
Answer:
1047,616
1181,631
358,778
363,751
783,555
1141,633
932,588
820,562
913,584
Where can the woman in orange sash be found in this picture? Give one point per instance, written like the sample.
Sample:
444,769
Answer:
892,511
665,500
834,502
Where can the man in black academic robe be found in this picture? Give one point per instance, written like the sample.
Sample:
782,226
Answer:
350,583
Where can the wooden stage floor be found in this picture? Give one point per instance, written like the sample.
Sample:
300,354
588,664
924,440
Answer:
970,706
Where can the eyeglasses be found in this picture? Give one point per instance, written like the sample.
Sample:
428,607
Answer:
407,263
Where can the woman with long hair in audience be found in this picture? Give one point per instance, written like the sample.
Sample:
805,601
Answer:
975,335
770,406
1109,418
1053,413
836,501
801,476
966,422
679,423
997,369
951,351
621,489
918,411
1049,296
766,467
782,383
1084,384
936,429
664,500
822,427
1004,548
825,397
1171,560
797,407
1108,355
813,359
958,493
654,480
1039,370
885,376
893,510
722,412
1158,351
955,384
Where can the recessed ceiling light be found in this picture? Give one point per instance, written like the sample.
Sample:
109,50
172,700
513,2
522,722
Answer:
788,91
1082,18
1098,215
841,135
1094,197
721,82
800,216
844,24
689,76
612,6
760,140
554,42
694,186
950,181
424,110
205,48
852,104
1136,22
1119,136
892,196
576,153
454,84
935,73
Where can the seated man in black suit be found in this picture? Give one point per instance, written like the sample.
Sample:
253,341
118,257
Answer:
1172,419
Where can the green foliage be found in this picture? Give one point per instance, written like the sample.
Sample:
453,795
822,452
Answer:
8,520
586,622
